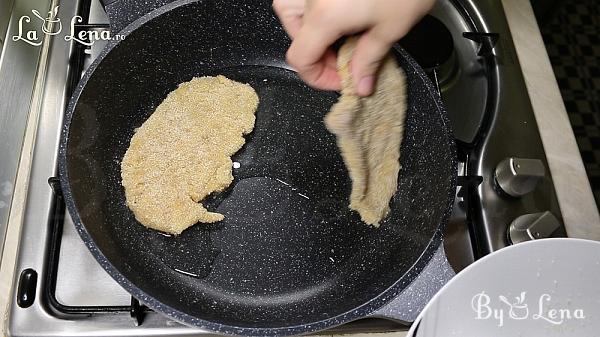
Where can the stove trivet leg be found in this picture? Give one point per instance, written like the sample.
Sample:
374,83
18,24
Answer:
137,311
468,190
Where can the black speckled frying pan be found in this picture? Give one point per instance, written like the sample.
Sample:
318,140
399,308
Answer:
290,257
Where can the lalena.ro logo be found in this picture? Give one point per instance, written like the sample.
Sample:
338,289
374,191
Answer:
51,25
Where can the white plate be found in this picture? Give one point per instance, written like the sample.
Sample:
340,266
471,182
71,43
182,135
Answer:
544,288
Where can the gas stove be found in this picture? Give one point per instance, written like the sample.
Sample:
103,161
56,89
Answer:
505,194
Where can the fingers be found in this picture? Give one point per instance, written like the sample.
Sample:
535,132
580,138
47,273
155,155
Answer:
315,63
371,50
314,25
290,14
310,55
328,79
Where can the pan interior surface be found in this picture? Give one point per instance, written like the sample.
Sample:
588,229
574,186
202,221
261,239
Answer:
289,251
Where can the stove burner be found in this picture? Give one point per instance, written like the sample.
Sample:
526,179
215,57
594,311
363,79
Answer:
439,46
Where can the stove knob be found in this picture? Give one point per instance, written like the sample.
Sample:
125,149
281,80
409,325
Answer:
532,226
517,176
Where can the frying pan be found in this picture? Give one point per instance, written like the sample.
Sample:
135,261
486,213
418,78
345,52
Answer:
290,257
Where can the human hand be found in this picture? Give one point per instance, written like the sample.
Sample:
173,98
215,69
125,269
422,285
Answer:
314,25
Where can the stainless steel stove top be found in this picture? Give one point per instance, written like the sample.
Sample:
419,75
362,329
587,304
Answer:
487,101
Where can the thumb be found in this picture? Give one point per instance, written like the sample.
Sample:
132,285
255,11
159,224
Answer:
371,49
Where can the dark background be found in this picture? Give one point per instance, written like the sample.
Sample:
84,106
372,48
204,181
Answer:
571,32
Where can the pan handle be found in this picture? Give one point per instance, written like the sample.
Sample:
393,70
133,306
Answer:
406,307
123,12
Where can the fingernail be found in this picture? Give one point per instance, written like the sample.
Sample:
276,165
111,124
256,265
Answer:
365,86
